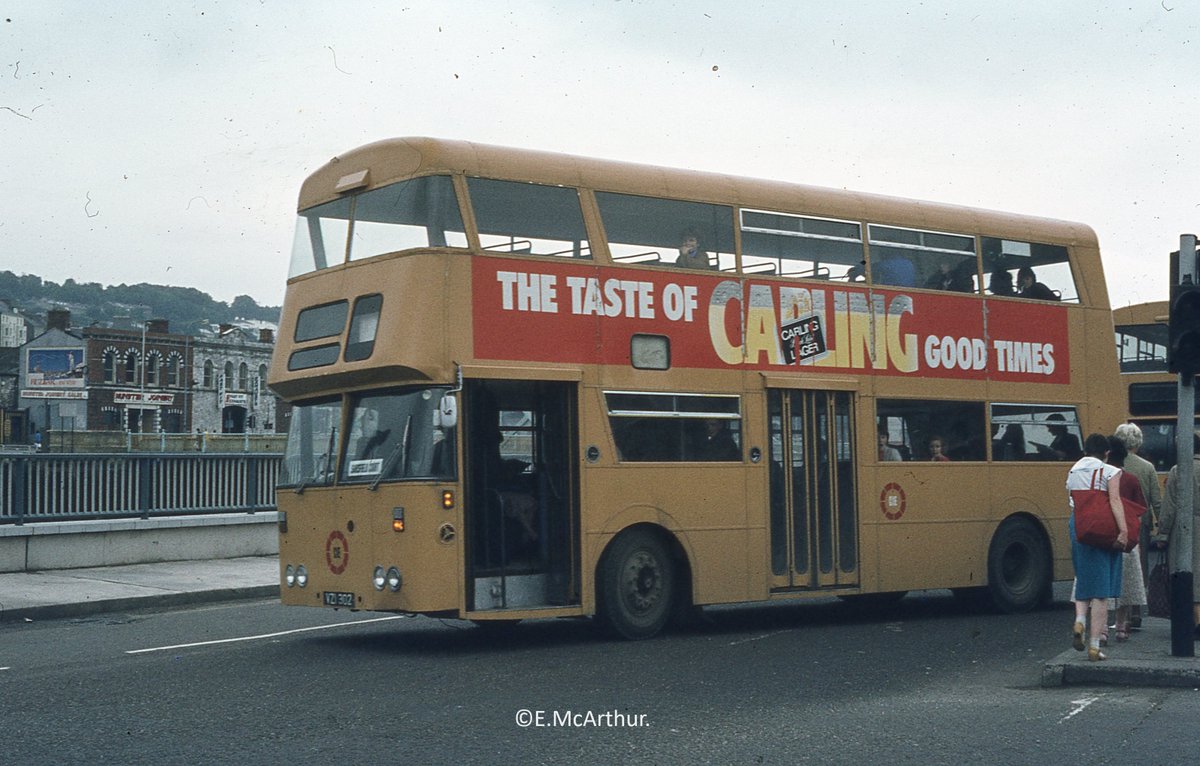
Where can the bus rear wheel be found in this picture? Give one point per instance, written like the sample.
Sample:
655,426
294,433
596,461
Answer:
1019,566
636,585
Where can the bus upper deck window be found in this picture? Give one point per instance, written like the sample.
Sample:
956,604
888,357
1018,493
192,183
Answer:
1004,261
419,212
364,325
320,240
528,219
667,232
915,258
799,246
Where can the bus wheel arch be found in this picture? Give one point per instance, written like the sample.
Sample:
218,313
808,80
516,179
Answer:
1020,565
643,581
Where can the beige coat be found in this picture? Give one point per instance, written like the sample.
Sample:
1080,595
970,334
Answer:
1143,469
1170,514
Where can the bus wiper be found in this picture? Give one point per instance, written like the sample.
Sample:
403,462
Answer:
397,451
320,470
322,466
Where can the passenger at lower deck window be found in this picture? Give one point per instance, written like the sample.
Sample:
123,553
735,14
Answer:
716,443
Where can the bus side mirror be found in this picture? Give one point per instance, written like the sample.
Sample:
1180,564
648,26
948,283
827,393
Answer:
447,412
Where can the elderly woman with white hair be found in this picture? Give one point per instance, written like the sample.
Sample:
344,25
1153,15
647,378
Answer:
1131,436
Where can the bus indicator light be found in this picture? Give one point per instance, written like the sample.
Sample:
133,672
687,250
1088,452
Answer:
398,519
447,499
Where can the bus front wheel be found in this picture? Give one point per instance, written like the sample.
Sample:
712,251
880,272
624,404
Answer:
636,588
1019,566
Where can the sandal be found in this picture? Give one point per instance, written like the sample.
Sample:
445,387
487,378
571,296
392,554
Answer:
1123,631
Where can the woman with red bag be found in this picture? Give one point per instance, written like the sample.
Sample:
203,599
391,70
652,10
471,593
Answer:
1097,571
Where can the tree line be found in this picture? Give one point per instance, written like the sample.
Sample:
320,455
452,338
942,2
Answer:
186,308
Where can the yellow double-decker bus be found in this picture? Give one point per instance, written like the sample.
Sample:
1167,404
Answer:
534,385
1151,392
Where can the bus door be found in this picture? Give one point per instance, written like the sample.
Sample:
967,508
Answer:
814,515
521,507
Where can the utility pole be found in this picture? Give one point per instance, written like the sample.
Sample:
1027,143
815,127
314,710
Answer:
142,387
1183,357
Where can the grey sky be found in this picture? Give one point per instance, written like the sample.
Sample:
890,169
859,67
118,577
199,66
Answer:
166,142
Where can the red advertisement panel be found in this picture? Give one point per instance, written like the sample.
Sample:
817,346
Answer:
571,312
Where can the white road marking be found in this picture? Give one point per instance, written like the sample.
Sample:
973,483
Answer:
265,635
757,638
1080,706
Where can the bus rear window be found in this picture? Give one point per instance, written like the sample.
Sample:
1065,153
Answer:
675,428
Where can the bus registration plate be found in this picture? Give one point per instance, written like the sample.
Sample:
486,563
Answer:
336,598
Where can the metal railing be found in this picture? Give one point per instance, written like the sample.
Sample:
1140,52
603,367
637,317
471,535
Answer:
57,487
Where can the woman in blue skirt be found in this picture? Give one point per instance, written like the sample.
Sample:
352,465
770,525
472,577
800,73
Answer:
1097,571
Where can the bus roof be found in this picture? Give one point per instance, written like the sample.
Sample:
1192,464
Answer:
1141,313
395,159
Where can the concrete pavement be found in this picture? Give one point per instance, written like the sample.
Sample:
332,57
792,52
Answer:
1144,660
74,592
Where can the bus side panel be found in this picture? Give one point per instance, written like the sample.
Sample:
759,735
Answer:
704,506
963,526
931,522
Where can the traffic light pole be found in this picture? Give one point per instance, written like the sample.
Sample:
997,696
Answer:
1182,567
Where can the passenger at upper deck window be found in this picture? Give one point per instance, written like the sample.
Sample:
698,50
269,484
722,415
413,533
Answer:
951,277
894,270
690,254
1000,282
1031,288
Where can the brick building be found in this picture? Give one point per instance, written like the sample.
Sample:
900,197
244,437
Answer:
138,380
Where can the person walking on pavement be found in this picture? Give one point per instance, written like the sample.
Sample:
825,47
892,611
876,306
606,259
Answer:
1133,585
1167,529
1097,571
1131,436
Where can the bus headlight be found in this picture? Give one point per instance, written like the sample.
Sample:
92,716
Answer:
289,575
394,580
378,579
301,576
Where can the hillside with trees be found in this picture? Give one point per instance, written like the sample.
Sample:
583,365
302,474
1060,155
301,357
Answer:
187,309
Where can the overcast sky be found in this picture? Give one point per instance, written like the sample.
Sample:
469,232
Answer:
166,142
